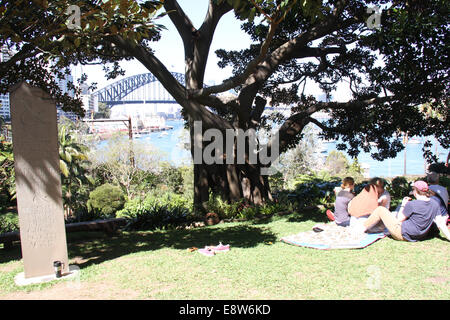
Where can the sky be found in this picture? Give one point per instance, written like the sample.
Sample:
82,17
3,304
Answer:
169,49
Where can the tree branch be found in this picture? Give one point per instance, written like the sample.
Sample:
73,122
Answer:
239,79
27,51
181,21
197,49
217,103
319,124
154,65
318,52
294,125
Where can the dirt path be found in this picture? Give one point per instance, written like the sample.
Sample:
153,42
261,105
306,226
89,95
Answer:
75,291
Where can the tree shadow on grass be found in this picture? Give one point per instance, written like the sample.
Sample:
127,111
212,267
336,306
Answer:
97,250
96,247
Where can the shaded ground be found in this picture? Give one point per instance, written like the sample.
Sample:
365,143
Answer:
156,265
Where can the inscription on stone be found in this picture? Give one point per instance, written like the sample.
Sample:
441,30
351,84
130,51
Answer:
38,182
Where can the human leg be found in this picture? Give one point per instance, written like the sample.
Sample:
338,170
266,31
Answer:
441,224
389,220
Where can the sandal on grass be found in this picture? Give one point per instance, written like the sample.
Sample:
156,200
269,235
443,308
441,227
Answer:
207,252
220,248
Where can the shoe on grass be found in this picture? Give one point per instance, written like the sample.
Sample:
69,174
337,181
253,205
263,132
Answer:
330,215
207,252
221,248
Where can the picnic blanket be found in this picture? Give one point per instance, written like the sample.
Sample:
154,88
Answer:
333,237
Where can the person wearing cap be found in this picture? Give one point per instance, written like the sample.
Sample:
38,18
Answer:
414,219
440,196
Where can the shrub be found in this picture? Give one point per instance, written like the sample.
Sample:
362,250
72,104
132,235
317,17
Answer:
174,201
112,164
276,182
131,208
398,188
336,162
314,189
4,200
171,177
9,222
272,208
162,212
268,209
224,209
445,182
439,168
157,217
105,200
248,213
7,176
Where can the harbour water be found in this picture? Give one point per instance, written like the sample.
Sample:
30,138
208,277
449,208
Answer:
172,147
415,163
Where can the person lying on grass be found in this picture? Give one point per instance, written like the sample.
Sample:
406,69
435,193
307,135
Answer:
414,219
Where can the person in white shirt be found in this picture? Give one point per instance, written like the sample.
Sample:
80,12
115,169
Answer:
384,198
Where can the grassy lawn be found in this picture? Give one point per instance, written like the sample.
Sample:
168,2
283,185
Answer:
156,265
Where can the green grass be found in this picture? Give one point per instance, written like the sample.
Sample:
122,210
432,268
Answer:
156,265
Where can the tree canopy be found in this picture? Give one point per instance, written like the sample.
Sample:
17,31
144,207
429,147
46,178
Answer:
44,40
391,70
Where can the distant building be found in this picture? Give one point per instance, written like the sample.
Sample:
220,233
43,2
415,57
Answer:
90,103
5,113
4,106
63,84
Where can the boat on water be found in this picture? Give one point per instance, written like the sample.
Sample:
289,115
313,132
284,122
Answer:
414,141
137,135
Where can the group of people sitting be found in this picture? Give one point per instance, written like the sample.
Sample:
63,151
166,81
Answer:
413,220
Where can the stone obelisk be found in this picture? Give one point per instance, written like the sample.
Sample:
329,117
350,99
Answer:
38,181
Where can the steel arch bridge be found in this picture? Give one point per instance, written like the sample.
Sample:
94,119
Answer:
140,88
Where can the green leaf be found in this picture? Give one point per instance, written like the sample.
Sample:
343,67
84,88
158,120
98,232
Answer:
64,169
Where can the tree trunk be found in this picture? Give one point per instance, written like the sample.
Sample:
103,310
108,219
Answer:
231,182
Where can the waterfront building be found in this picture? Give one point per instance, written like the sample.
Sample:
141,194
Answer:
5,55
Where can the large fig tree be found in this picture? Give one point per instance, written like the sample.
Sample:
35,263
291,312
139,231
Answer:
393,60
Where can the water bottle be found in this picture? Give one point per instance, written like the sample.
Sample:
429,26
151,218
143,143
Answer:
57,265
